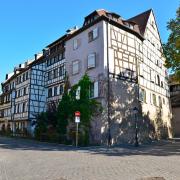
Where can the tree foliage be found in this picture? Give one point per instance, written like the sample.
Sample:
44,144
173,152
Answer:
53,125
70,104
172,47
45,125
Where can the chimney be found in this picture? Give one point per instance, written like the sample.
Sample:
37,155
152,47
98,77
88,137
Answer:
35,57
6,76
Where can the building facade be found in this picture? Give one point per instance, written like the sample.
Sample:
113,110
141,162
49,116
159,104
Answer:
175,102
23,96
124,60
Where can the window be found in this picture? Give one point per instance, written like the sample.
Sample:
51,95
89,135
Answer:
160,102
50,92
75,67
16,94
162,85
75,44
18,108
23,107
91,60
163,101
61,89
140,47
131,26
19,80
13,85
49,75
61,55
26,75
61,71
55,91
48,62
55,73
153,24
141,70
19,93
142,95
94,91
52,60
158,80
92,35
152,75
25,91
56,59
91,94
154,100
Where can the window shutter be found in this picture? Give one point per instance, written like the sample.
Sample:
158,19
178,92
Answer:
95,33
78,93
96,89
141,70
75,44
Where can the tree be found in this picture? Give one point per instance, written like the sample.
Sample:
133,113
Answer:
172,47
45,125
41,124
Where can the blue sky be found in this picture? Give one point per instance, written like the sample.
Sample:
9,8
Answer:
27,26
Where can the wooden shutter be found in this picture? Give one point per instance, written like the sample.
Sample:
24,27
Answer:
96,89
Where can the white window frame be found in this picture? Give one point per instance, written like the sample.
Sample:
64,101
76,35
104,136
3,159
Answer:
91,60
94,34
75,67
141,69
142,95
75,44
95,86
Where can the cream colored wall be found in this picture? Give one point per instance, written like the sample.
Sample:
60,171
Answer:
151,53
126,51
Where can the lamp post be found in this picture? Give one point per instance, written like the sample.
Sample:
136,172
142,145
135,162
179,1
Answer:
135,112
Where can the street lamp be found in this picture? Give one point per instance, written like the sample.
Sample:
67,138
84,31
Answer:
135,112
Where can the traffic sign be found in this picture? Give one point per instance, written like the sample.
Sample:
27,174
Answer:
77,119
77,113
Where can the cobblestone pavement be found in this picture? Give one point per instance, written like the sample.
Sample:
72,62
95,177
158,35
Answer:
29,160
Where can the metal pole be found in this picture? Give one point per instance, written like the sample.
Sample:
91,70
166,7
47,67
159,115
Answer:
76,134
108,89
136,135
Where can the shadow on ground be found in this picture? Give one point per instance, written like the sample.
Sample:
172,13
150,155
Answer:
163,148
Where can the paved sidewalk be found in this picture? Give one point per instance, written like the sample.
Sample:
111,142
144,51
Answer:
30,160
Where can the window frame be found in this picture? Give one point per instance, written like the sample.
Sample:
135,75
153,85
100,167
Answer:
90,65
93,34
75,44
75,64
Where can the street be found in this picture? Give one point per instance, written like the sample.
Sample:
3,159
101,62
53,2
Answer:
31,160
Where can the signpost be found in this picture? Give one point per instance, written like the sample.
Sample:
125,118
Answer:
77,121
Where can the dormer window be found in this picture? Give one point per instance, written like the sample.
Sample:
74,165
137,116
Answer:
127,24
131,26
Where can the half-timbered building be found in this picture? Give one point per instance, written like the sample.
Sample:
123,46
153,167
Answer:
123,58
23,96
